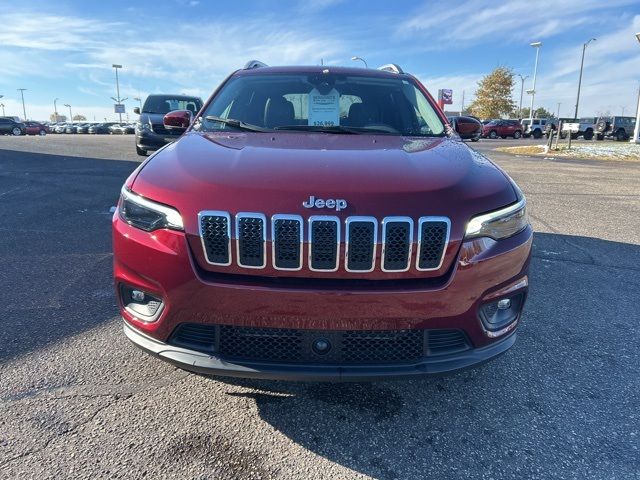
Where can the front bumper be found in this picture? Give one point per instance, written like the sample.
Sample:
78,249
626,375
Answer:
203,363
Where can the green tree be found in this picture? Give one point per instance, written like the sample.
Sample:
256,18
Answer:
539,112
79,118
61,118
493,96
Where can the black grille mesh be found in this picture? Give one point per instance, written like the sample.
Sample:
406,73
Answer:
433,241
215,235
361,236
286,240
324,241
251,241
285,345
397,243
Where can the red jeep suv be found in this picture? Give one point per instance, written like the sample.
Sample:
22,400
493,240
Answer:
320,223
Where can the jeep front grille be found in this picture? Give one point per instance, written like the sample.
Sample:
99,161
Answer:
291,345
324,237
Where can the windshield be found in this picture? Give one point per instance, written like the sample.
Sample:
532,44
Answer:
323,102
165,103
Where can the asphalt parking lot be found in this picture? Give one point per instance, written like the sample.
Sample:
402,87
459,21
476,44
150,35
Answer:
77,400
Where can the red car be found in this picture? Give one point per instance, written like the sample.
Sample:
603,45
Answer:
320,223
468,128
502,129
35,128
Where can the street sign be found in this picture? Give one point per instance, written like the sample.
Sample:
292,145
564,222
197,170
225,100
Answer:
118,108
445,96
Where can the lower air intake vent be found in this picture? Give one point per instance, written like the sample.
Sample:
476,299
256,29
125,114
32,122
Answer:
442,342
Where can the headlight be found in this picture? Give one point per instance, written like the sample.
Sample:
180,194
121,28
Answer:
143,127
147,215
502,223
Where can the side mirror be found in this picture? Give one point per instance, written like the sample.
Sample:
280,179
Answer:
178,120
136,110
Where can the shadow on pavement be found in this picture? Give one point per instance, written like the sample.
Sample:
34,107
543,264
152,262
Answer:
55,246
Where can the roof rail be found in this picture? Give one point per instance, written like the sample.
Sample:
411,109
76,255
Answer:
254,64
391,67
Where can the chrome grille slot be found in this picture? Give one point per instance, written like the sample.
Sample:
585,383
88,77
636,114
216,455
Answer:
433,237
214,234
361,239
251,239
287,238
324,243
397,239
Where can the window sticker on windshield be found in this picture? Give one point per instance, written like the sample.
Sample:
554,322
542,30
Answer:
324,110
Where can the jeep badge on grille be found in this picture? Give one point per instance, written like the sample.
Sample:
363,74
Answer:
338,203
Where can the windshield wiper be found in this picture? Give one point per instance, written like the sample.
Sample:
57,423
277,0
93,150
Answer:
321,128
236,123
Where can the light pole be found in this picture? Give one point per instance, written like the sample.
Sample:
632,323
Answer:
537,46
24,112
118,100
522,79
362,60
2,105
636,131
55,108
139,100
559,103
70,115
584,47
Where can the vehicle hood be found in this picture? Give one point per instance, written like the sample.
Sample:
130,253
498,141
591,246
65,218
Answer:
273,173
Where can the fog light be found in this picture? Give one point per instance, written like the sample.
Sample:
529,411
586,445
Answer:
142,305
498,316
137,295
504,304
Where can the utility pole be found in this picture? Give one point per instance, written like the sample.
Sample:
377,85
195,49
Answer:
24,111
462,106
584,48
537,46
522,79
55,108
70,115
559,103
2,105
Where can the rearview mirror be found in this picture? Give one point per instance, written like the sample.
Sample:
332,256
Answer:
136,110
178,120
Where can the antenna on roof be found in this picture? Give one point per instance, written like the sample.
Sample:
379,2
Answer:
254,64
391,67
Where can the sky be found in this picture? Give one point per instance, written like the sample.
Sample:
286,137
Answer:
65,49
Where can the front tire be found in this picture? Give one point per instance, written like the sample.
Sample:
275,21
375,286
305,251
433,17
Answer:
493,134
42,133
588,135
600,136
537,134
140,151
517,134
621,135
16,132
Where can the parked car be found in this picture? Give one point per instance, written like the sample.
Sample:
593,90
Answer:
84,127
8,126
322,223
468,128
36,128
151,134
585,130
71,128
116,129
100,128
503,129
536,130
620,128
129,129
61,127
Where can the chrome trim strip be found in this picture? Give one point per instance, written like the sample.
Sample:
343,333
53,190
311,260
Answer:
346,241
421,221
215,213
315,218
299,219
241,215
387,220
